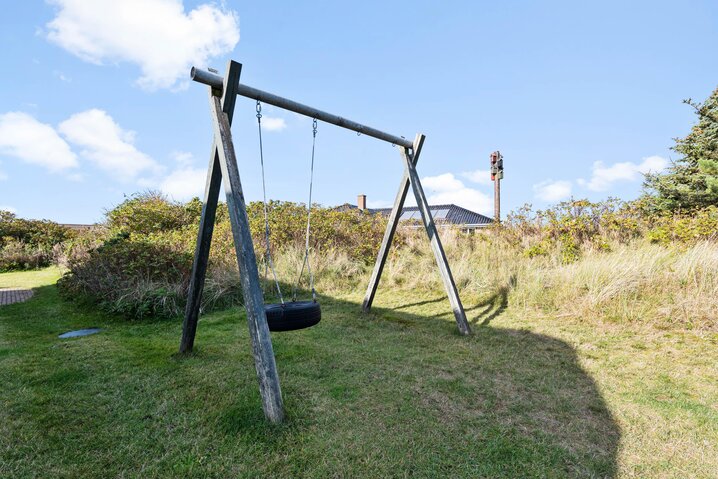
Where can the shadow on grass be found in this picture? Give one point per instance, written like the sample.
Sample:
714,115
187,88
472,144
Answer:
490,308
422,303
390,393
495,305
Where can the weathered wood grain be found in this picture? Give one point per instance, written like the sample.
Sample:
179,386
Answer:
390,229
206,222
215,81
262,350
435,241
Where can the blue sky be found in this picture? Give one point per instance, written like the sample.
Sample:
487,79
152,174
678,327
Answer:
580,97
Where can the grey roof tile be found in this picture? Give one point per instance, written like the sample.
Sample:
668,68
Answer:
455,215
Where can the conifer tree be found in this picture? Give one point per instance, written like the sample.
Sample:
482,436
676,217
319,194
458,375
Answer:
692,181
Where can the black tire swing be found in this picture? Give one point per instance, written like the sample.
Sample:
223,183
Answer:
294,315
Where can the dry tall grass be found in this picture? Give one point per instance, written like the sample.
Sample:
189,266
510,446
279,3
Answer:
636,282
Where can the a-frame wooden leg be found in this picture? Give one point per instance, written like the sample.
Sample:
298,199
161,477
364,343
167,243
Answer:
206,223
436,246
390,229
201,254
249,275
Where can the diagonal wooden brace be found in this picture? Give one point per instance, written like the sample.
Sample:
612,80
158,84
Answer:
436,246
206,223
390,229
248,274
223,166
411,177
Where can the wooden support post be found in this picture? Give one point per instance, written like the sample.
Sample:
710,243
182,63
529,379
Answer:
206,223
247,262
497,200
497,174
390,229
436,246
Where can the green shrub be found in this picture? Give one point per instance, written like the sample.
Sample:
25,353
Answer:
151,212
16,255
538,249
37,233
28,244
356,233
132,276
570,249
140,264
685,228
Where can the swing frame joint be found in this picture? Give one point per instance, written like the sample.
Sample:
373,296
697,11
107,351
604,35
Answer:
208,78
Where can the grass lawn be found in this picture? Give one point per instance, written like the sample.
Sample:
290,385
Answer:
397,393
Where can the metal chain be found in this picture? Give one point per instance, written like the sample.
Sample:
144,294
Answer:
309,222
267,251
258,109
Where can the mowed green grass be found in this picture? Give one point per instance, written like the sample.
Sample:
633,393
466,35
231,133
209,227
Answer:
398,393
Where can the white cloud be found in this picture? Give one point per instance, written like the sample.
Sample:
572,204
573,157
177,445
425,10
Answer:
184,158
23,137
481,177
8,208
106,144
442,183
446,188
185,183
61,76
273,124
157,35
550,190
603,176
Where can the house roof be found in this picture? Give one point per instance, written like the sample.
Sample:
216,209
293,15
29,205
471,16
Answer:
77,226
447,214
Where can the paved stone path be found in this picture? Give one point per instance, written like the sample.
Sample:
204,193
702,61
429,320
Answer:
9,296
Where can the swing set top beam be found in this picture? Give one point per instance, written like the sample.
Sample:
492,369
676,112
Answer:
217,82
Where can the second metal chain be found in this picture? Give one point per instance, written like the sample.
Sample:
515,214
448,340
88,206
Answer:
267,251
309,222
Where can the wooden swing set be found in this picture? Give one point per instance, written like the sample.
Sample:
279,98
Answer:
223,93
